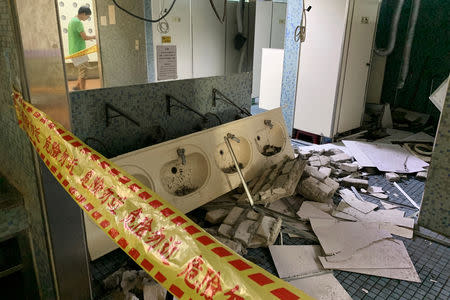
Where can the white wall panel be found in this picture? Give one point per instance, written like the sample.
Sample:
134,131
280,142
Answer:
263,21
179,21
208,38
271,78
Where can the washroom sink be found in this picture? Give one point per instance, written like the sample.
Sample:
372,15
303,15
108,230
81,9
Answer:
140,174
271,139
223,158
181,177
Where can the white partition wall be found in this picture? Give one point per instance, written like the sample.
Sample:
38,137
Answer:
319,66
208,40
263,20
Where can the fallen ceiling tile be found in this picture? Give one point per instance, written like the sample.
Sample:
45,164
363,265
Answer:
359,155
323,287
388,205
310,210
409,274
298,261
386,157
292,261
397,230
347,237
386,253
350,198
393,216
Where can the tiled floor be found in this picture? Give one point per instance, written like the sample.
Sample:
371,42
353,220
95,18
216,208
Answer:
90,84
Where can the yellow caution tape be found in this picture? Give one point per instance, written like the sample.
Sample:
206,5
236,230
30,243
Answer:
171,248
86,51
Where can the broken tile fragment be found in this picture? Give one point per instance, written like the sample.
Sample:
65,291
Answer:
392,177
341,157
315,190
422,175
375,189
350,198
314,172
332,183
357,183
324,160
379,195
349,167
325,170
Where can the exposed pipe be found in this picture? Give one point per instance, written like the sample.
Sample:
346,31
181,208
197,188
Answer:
240,26
408,43
393,36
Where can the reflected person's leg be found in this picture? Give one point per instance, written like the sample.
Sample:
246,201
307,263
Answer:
82,74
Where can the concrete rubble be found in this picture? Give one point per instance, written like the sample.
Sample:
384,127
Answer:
276,182
249,228
130,284
392,177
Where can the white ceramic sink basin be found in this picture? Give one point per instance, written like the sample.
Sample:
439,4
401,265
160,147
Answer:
140,174
241,149
271,139
181,177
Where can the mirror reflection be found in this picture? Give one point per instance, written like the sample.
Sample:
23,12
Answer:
142,41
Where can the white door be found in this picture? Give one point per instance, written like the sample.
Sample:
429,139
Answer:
356,73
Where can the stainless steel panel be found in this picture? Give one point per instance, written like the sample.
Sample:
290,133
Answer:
67,233
47,90
43,58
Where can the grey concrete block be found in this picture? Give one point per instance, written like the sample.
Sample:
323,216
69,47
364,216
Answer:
225,230
242,233
233,215
314,172
252,215
216,216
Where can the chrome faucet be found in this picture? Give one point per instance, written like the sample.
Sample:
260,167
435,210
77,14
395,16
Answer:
180,152
233,137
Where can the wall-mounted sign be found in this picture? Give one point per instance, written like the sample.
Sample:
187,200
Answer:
166,39
166,57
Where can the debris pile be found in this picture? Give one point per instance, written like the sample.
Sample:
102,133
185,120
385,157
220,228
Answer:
318,196
129,284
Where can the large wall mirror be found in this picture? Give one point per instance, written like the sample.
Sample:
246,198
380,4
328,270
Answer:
196,38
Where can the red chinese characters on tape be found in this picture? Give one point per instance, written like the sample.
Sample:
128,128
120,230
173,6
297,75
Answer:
206,283
182,257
